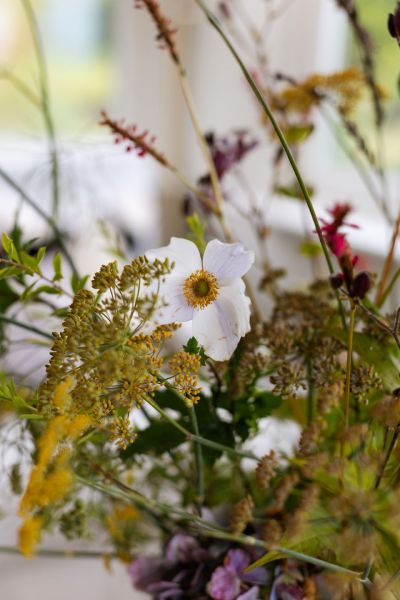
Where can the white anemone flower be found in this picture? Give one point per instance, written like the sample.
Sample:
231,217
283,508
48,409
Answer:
208,291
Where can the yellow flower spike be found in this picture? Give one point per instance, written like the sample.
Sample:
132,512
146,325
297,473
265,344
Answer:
55,487
51,437
61,396
78,426
32,492
29,535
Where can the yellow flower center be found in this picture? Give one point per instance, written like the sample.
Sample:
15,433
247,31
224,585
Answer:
200,289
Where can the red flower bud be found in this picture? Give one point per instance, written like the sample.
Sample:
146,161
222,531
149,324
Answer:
394,23
361,285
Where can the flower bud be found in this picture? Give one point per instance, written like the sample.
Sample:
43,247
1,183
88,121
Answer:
394,23
361,285
336,280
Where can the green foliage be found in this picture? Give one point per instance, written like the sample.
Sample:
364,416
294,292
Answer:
297,134
293,191
78,283
192,347
197,229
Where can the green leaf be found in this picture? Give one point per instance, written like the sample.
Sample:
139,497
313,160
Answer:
9,247
8,393
29,262
78,283
192,347
197,228
293,191
10,272
57,266
310,248
158,438
266,559
298,133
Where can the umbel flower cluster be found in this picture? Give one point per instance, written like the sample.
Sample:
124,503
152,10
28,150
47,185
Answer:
193,398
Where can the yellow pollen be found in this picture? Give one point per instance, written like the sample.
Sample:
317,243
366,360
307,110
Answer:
200,289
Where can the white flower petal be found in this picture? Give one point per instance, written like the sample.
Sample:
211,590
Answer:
220,326
234,293
227,261
176,309
183,253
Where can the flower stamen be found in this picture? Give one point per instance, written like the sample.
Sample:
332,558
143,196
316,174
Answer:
200,289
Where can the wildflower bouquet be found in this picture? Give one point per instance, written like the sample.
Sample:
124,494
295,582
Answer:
161,374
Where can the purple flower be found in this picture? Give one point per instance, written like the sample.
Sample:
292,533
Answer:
228,151
394,23
145,571
224,584
227,581
185,549
252,594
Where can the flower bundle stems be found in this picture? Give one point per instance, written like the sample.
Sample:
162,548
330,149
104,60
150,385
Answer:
199,460
207,529
197,438
285,146
55,553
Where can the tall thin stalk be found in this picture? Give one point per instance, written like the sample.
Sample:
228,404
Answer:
45,104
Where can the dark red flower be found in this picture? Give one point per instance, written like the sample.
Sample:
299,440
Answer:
394,23
336,240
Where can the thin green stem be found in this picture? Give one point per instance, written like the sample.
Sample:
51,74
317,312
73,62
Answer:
22,325
21,87
389,288
385,461
196,438
310,392
199,459
204,148
148,505
45,101
49,220
349,365
209,529
248,540
261,99
47,553
349,361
